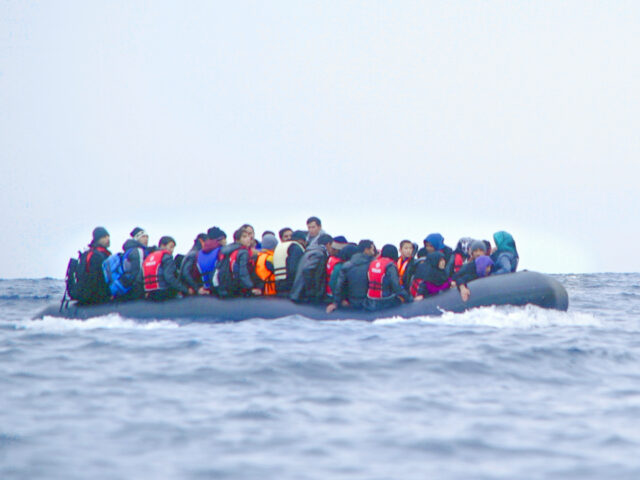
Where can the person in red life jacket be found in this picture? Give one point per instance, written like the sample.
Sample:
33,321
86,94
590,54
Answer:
236,267
434,242
208,257
384,289
310,283
285,234
161,280
406,263
286,257
334,249
352,284
434,279
92,287
476,268
189,273
264,265
344,255
461,254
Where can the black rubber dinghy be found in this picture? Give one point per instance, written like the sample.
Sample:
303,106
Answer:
517,289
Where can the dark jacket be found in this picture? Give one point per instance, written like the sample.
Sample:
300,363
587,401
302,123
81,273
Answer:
353,282
189,268
168,276
466,274
392,291
294,254
504,262
310,282
92,287
235,280
133,268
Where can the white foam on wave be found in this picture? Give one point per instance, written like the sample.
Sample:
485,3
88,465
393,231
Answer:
111,321
529,316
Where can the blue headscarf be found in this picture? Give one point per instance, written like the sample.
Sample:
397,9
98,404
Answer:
436,240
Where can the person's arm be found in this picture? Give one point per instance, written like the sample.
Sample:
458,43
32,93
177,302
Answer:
185,271
171,275
501,265
339,291
394,282
244,276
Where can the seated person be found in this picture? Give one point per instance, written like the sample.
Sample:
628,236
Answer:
286,257
160,276
384,289
353,283
189,273
506,257
477,268
406,262
236,268
92,287
285,234
461,254
435,278
310,283
264,265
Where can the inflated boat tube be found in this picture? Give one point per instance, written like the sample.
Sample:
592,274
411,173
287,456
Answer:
517,289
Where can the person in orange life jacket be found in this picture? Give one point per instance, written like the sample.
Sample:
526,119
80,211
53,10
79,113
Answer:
264,265
434,242
352,284
92,286
344,255
267,232
161,280
294,253
285,234
310,283
208,256
384,289
255,244
238,277
135,249
461,254
333,249
189,273
477,268
314,230
406,263
434,279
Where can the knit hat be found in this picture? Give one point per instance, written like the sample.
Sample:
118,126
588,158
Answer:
98,233
390,251
215,233
269,242
339,242
477,245
137,233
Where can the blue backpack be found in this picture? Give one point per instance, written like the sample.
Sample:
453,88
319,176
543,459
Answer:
117,279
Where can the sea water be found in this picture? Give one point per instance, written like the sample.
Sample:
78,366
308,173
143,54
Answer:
493,393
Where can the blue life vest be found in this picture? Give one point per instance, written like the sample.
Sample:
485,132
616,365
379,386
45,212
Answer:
115,275
207,264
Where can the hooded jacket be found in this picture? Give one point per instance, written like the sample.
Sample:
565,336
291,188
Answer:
353,282
435,280
133,267
237,280
189,268
92,287
310,282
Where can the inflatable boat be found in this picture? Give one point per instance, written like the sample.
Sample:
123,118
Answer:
517,289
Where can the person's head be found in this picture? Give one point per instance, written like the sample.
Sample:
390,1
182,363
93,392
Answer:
250,230
299,236
406,249
504,241
389,251
314,225
325,240
267,232
215,233
100,238
269,242
367,247
463,246
285,234
167,243
200,239
437,260
477,248
483,265
422,253
348,251
139,235
434,242
245,239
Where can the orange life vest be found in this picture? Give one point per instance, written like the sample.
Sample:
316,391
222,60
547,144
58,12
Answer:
402,267
376,273
151,270
264,273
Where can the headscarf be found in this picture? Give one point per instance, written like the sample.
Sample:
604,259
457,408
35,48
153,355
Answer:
463,246
504,241
434,274
482,263
436,240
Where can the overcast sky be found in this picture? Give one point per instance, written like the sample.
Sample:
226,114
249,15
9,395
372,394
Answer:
388,120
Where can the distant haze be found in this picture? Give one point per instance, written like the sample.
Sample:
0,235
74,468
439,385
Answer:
387,120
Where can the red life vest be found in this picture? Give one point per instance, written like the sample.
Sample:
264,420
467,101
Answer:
458,262
402,267
331,264
151,270
376,273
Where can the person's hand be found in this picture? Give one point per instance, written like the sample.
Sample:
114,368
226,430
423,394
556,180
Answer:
464,293
418,298
191,291
256,291
331,307
345,303
203,291
453,285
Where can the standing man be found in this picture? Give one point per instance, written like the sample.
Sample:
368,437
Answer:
314,228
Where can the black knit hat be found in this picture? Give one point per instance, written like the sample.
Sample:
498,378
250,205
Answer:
98,233
215,233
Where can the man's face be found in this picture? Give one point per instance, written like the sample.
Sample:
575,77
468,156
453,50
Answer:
429,247
251,232
105,241
245,239
286,236
406,250
477,253
313,228
169,247
144,240
442,263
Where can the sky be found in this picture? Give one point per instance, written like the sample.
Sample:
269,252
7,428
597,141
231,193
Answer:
388,120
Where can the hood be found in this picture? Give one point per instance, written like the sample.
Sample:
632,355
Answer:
436,240
482,263
210,245
435,275
463,246
504,241
131,243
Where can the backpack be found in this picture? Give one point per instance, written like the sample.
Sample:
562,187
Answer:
71,278
117,279
223,277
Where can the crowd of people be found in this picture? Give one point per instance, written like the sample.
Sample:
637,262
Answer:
306,266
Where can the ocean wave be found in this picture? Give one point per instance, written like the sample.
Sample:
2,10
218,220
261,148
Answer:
111,321
505,317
